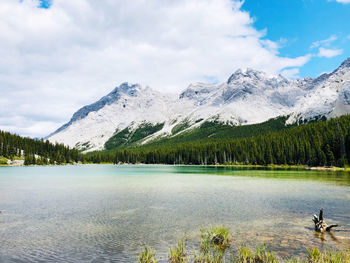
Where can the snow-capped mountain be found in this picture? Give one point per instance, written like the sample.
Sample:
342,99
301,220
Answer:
248,97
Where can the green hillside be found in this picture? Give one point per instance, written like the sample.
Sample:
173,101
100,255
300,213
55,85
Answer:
213,131
325,143
125,138
208,131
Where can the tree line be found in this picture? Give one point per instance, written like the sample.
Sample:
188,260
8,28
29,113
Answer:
325,143
38,152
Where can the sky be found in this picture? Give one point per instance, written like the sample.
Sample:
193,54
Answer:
57,56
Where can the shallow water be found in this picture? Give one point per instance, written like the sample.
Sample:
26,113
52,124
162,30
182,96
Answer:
106,213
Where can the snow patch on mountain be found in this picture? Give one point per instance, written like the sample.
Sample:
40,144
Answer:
328,97
248,97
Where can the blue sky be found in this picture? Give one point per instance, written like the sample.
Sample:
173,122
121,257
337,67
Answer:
300,23
57,56
45,3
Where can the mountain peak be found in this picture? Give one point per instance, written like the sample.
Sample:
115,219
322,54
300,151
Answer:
236,75
247,73
126,88
346,63
342,69
249,96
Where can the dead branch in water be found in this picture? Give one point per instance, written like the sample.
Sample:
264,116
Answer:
320,224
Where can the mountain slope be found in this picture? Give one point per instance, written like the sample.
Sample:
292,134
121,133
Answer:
329,96
214,132
324,143
134,115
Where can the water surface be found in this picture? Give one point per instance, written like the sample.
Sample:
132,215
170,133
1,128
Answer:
97,213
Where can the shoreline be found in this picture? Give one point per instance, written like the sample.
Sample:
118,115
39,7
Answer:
272,166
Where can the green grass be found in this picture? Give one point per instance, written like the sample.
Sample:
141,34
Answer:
3,161
317,256
286,166
245,255
147,256
18,158
178,254
214,248
214,242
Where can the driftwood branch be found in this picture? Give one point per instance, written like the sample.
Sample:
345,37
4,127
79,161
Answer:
328,228
320,224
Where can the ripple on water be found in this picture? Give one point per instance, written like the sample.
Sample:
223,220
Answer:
109,214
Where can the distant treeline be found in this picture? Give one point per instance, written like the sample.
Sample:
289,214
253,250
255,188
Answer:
325,143
36,151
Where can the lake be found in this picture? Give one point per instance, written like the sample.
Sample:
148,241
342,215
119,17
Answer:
107,213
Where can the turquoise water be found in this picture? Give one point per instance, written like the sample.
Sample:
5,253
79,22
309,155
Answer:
106,213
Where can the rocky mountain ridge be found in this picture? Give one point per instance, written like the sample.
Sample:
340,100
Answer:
248,97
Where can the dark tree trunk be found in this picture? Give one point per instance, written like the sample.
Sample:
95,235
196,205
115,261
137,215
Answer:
320,224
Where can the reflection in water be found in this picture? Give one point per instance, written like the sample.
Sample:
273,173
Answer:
97,213
333,237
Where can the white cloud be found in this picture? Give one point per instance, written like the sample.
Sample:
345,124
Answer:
290,73
325,42
343,1
329,53
53,61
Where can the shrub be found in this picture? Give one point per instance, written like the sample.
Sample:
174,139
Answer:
3,160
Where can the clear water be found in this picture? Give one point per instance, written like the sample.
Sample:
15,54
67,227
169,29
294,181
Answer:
106,213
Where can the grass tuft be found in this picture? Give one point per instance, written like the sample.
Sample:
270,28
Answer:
317,256
214,242
213,249
178,253
147,256
261,255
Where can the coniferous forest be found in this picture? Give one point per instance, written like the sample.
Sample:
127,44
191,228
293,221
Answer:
325,143
35,151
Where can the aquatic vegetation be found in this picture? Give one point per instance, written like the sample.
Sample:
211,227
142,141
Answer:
207,258
317,256
294,260
220,237
245,255
147,256
215,237
178,253
214,242
213,249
